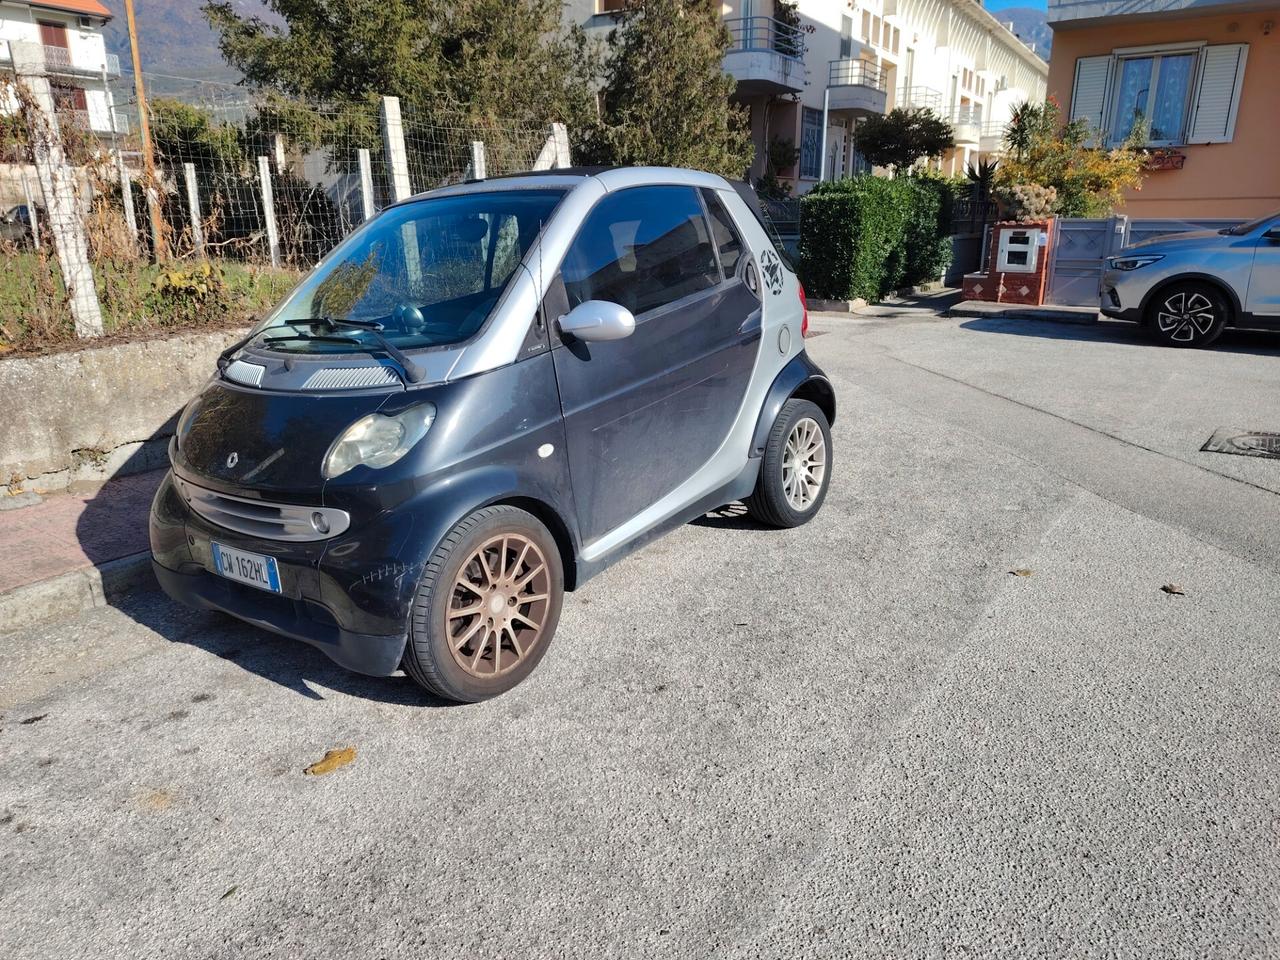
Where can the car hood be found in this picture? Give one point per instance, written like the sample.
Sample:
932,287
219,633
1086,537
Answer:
242,437
1190,238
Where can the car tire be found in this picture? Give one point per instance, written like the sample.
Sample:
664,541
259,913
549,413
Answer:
795,471
487,606
1188,314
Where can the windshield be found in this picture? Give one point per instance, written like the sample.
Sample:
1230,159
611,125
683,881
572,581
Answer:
1241,229
426,274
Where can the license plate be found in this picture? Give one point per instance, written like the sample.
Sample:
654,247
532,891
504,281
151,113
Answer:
245,567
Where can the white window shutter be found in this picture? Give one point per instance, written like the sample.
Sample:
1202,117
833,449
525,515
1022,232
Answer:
1089,93
1218,93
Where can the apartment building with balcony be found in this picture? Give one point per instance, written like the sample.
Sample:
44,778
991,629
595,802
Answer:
1201,77
809,84
76,60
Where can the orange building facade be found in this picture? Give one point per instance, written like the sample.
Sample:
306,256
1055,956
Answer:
1203,78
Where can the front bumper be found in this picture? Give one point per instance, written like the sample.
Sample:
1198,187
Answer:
361,624
1118,298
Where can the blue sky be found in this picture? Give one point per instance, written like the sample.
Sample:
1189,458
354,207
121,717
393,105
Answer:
1001,4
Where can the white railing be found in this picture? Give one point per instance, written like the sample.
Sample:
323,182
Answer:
765,33
855,73
58,60
920,98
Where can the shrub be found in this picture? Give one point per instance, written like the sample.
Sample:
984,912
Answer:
1026,202
867,236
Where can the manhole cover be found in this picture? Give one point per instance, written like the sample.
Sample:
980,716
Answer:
1251,444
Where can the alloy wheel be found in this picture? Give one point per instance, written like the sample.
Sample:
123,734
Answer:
1186,316
498,606
804,464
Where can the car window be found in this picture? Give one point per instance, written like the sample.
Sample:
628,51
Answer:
726,234
641,248
430,272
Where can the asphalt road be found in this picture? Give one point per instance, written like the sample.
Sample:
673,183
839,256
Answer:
861,738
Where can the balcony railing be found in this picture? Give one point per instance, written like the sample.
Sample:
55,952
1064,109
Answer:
855,73
967,117
59,60
766,33
83,120
920,98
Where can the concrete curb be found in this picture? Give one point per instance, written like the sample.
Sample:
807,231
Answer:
71,593
836,306
1013,311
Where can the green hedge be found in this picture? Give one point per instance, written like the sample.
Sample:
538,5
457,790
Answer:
868,236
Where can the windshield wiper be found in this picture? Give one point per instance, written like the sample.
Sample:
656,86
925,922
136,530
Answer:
412,372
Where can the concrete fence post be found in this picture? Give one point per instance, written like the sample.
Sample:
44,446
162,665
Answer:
57,184
555,151
477,165
393,144
269,210
193,206
367,207
126,197
31,211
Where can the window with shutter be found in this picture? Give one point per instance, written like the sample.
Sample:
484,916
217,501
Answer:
1089,94
1218,93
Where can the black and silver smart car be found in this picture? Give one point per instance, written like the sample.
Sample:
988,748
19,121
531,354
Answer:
482,398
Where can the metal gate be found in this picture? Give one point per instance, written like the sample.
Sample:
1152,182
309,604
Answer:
1081,247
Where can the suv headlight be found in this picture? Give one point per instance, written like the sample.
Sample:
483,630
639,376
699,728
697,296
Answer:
377,440
1134,262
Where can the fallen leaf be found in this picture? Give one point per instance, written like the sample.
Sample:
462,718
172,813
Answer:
157,800
30,720
1174,589
230,891
1022,572
332,760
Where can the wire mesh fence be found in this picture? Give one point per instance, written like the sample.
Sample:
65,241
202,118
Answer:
242,192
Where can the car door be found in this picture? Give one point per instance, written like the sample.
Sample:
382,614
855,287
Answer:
1263,300
643,413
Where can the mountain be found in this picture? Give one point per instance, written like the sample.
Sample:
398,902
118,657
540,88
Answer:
173,38
1029,25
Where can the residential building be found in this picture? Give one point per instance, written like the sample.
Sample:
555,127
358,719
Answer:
79,67
807,82
1200,76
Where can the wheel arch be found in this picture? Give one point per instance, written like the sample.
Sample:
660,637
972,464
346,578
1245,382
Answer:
550,518
1233,300
800,379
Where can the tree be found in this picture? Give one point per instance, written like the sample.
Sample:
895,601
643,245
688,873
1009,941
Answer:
899,138
665,99
475,60
1088,181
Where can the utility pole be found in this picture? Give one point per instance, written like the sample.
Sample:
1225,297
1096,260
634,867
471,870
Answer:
160,246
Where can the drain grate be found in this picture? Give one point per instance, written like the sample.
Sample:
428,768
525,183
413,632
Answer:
1252,444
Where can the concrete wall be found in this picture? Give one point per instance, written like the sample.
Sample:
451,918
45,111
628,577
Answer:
78,418
1240,179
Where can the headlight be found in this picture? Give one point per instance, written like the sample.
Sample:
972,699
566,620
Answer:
1133,263
378,441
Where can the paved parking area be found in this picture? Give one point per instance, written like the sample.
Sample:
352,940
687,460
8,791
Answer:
861,738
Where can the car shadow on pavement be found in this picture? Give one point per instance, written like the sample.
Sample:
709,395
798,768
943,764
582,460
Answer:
113,524
1254,342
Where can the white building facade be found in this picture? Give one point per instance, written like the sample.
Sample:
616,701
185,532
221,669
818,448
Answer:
810,82
76,60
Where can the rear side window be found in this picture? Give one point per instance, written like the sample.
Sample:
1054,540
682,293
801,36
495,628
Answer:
726,235
641,248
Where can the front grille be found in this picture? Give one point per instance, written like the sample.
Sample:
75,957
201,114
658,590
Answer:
258,518
250,374
350,378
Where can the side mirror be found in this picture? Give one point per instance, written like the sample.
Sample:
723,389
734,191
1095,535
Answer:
598,320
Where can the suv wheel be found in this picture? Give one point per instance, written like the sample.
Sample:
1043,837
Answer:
487,606
796,469
1188,314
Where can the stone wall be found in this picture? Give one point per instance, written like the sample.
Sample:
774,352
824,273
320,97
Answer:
73,420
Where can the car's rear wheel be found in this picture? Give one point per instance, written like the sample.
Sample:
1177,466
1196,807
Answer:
487,606
1189,314
796,469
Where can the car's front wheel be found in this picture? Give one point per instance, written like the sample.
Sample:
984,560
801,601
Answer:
1189,314
487,606
796,468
